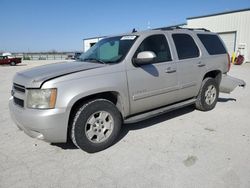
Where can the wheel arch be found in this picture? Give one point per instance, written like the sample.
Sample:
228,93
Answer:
113,96
216,74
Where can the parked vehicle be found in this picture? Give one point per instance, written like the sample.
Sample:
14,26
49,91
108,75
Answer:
122,79
77,55
4,59
71,56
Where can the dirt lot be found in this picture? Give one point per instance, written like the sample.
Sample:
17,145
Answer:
184,148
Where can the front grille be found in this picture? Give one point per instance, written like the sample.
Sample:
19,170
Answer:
19,102
19,88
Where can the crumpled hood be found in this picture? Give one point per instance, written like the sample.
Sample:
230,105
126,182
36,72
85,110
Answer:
34,77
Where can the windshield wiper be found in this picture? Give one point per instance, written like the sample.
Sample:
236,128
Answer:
95,60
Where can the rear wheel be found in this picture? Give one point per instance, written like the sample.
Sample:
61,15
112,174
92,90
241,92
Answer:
208,95
96,125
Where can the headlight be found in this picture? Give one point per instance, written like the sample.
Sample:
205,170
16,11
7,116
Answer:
41,98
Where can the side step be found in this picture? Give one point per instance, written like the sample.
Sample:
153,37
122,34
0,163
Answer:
158,111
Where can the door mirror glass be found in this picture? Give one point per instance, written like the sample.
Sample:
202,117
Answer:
145,57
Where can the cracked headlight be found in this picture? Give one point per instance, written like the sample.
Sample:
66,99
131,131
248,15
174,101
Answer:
41,98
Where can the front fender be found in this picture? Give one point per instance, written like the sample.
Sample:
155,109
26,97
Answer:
70,91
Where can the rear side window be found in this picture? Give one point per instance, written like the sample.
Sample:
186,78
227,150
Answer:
212,43
157,44
185,46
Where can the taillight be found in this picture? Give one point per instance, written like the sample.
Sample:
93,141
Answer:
229,62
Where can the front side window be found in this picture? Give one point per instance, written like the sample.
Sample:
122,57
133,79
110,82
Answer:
185,46
109,50
157,44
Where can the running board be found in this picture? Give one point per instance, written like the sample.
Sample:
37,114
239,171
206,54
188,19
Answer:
159,111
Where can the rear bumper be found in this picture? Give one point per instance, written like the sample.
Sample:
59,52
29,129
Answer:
229,83
48,125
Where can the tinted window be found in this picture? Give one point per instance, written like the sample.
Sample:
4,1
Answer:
185,46
212,43
157,44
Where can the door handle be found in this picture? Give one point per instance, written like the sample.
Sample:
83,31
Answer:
170,70
200,64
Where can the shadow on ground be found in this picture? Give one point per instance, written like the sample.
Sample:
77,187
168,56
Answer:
65,146
226,99
136,126
155,120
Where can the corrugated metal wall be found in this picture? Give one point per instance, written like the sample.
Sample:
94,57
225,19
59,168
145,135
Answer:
238,22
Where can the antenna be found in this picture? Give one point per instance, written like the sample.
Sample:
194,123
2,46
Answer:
134,30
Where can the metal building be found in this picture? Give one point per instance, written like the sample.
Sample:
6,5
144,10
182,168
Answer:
89,42
232,26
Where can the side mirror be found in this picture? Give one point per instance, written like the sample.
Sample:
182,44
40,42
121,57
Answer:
144,58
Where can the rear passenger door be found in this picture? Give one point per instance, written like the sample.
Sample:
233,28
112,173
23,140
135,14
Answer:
189,65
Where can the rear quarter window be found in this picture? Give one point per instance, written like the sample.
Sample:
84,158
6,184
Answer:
185,46
212,44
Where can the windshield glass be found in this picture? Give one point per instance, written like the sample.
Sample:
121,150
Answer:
109,50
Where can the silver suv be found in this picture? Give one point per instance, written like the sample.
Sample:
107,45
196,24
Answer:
121,79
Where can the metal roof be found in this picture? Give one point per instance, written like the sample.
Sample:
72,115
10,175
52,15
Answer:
221,13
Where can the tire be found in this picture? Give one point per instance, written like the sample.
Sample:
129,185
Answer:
208,95
13,63
96,125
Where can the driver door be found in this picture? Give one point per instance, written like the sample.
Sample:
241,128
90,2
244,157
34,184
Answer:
154,84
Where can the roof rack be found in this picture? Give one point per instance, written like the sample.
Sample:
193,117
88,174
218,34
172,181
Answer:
178,27
168,28
202,29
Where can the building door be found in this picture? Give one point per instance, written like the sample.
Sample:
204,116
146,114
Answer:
229,39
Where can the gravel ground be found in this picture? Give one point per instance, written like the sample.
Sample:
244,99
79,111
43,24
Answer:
184,148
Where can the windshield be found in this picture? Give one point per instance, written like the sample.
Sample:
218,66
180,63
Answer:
109,50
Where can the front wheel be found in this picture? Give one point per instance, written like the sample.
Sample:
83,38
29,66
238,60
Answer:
13,63
96,125
208,95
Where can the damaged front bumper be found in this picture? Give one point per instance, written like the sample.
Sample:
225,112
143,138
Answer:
229,83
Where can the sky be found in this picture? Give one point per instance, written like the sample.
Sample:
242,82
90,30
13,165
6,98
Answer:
61,25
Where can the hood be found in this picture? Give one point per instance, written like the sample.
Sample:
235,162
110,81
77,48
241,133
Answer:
34,77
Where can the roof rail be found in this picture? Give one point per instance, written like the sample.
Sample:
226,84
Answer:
202,29
168,28
178,27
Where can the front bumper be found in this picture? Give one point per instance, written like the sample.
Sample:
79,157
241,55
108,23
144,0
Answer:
48,125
